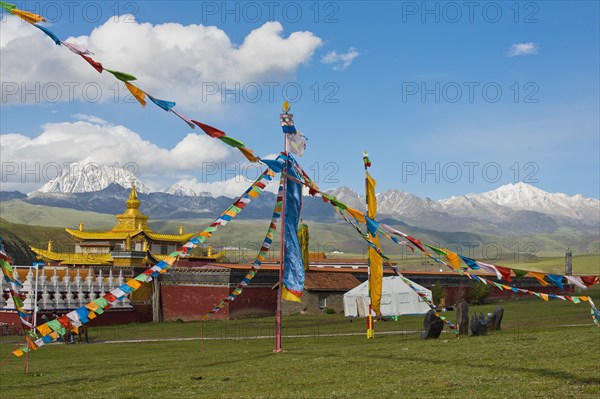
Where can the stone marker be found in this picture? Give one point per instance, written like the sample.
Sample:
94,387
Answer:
478,325
495,318
433,326
462,318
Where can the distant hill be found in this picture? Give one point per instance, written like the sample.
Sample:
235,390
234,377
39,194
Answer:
18,237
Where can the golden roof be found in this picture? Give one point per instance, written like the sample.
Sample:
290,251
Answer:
68,258
132,219
122,235
215,256
130,223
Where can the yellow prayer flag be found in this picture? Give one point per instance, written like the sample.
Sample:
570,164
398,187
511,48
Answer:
44,329
544,296
28,16
540,277
286,295
375,260
18,352
92,306
371,199
584,298
91,315
453,259
137,93
169,259
356,214
134,284
249,154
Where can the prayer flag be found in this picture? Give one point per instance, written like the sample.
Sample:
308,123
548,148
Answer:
26,16
137,93
375,260
293,267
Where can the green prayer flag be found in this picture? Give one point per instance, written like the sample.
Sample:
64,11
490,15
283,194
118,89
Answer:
101,302
142,278
7,6
122,76
436,250
232,142
55,325
62,331
339,204
519,273
575,299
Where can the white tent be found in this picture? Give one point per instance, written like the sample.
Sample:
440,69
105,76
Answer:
397,299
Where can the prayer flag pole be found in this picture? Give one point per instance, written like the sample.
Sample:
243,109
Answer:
370,327
286,109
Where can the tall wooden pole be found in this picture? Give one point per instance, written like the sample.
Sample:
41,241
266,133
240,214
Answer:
282,249
370,326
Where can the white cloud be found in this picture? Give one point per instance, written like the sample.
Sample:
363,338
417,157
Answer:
340,61
27,163
519,49
182,63
89,118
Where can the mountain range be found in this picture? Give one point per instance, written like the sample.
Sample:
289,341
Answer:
513,209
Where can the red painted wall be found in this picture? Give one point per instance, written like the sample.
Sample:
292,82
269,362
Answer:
191,302
259,301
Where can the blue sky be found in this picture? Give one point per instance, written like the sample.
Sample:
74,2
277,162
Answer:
447,100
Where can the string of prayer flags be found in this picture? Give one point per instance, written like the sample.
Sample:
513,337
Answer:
14,286
76,318
137,92
262,253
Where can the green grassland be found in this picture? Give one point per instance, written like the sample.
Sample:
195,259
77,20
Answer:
20,212
545,350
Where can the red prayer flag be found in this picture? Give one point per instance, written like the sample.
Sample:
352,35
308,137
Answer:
416,242
505,272
211,131
97,66
110,297
64,320
590,280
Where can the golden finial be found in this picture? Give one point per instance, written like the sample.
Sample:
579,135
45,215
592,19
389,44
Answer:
286,107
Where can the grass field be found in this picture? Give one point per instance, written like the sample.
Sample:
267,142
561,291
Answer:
545,350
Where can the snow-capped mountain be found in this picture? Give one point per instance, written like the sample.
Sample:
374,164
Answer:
348,197
513,207
87,176
181,190
524,197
